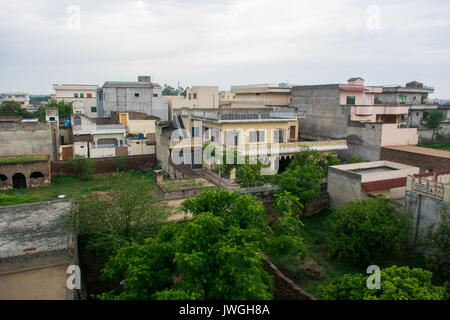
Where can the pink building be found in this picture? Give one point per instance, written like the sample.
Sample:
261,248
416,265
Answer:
351,111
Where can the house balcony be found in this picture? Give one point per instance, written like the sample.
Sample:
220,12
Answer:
256,149
362,110
99,129
247,115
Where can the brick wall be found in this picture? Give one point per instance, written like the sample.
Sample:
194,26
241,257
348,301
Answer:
423,161
105,165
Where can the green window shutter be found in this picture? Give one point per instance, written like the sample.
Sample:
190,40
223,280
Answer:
402,99
93,109
81,95
350,99
75,95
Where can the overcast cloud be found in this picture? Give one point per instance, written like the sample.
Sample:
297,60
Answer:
231,42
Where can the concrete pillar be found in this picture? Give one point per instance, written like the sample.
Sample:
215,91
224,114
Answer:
232,175
159,176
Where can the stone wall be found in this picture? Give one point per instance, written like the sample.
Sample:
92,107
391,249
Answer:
105,165
9,170
423,161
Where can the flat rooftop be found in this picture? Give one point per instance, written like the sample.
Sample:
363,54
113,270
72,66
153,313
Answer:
422,150
35,230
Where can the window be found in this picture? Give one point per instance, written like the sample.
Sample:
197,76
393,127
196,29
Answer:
424,100
155,95
76,121
93,109
195,132
350,99
81,95
75,95
414,98
52,118
402,99
107,143
136,94
89,95
256,136
195,96
278,136
425,115
189,96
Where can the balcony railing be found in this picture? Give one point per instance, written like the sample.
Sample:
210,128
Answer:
231,115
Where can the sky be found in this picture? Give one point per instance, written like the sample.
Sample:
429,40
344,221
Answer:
223,43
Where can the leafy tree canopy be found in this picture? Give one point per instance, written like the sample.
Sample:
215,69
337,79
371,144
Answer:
13,108
397,283
65,109
366,232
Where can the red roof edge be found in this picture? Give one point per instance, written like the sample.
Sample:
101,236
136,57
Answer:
384,184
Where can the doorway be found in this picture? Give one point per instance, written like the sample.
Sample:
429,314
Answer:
19,181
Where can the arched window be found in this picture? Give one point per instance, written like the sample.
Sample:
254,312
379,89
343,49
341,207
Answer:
3,177
76,121
36,174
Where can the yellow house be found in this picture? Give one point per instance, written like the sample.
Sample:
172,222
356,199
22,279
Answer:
271,135
141,130
261,95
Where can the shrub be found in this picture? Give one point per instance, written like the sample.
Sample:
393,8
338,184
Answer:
121,163
82,166
397,283
366,232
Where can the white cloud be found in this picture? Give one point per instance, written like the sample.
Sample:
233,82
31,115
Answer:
223,42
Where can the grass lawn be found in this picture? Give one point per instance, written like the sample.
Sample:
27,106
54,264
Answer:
317,269
61,184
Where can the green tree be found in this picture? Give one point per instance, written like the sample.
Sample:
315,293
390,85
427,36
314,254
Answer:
83,166
397,283
171,91
13,108
436,240
249,174
214,256
65,109
366,232
302,181
124,213
121,163
433,121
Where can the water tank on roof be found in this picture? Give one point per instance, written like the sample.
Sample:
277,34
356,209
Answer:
67,123
140,136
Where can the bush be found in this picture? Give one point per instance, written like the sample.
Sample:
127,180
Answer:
366,232
397,283
121,163
82,166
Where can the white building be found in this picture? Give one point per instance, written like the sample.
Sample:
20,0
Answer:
21,97
139,96
95,139
83,97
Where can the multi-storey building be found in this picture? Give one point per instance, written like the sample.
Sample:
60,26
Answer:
141,96
349,111
82,96
200,97
265,133
21,97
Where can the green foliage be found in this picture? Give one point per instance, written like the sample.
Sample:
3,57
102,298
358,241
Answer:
38,99
249,175
355,159
121,163
436,240
125,212
23,159
82,166
434,121
397,283
171,91
13,108
366,232
214,256
286,204
301,181
65,109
